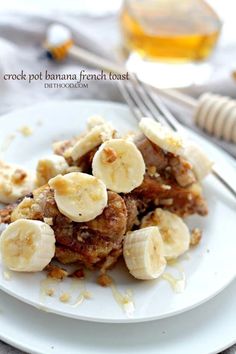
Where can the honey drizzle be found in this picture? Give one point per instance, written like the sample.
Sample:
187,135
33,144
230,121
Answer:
125,301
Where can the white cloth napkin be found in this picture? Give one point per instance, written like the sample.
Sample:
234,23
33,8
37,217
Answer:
21,37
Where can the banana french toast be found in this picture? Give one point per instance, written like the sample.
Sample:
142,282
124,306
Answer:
137,175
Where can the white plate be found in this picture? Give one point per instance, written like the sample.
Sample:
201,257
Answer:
207,329
211,265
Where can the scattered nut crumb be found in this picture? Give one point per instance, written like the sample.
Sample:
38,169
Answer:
18,176
196,236
65,297
87,294
109,155
48,221
151,171
56,272
167,201
104,280
50,292
25,131
189,196
165,186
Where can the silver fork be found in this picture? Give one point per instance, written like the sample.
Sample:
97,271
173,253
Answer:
142,103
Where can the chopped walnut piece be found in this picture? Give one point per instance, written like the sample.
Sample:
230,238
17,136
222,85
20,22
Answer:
19,176
166,187
166,201
56,272
196,236
87,295
25,131
109,155
151,171
50,292
65,297
104,280
48,221
23,210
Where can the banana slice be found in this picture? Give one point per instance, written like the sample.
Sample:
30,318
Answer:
27,245
174,232
15,182
49,167
119,164
200,162
79,196
143,253
96,136
161,136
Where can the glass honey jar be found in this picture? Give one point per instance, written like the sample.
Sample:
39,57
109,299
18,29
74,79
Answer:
169,30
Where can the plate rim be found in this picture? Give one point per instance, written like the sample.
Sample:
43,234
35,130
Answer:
28,349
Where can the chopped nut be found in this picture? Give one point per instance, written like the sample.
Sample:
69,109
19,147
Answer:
175,141
152,171
87,294
25,131
189,196
167,201
56,272
165,186
19,176
22,210
109,155
196,236
104,280
48,221
65,297
50,292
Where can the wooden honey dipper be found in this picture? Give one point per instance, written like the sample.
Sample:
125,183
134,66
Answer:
213,113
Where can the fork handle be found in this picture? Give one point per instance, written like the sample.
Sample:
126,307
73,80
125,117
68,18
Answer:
108,65
224,179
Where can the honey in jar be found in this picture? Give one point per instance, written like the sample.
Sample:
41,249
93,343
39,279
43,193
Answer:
170,30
